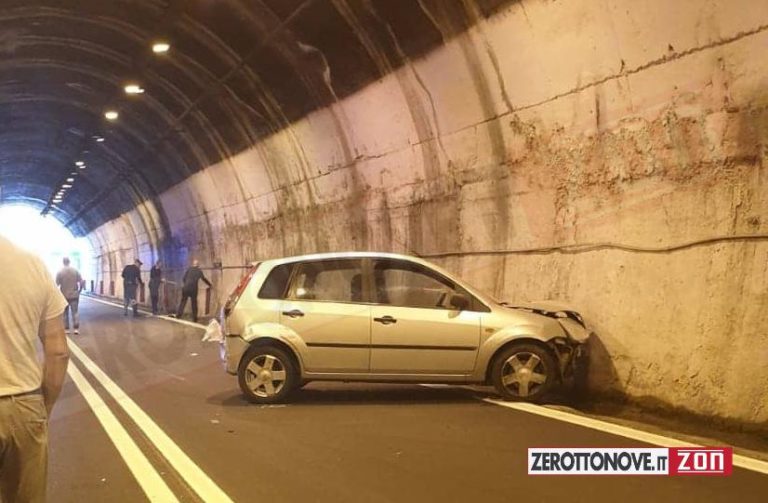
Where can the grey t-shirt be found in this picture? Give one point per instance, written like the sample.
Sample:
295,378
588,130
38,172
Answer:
68,279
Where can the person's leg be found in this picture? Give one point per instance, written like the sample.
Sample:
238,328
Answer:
126,298
182,305
66,317
74,306
6,437
25,460
193,299
135,302
154,296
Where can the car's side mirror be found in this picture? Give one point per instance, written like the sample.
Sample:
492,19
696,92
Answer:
459,301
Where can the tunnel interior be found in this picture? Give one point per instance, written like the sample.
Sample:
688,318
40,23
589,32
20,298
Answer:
237,71
607,154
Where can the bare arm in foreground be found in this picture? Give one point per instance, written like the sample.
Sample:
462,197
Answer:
56,357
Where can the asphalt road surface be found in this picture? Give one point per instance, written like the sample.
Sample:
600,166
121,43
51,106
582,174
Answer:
148,414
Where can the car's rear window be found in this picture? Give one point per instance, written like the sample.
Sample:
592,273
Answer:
276,283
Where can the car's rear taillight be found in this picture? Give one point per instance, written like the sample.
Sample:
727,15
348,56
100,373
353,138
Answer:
238,291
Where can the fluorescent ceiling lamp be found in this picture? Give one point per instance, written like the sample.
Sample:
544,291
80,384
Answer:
111,115
79,163
160,47
70,180
133,89
66,186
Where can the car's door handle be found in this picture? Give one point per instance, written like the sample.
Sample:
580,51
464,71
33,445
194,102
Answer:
386,320
293,314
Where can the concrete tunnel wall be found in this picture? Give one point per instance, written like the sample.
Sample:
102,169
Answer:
552,123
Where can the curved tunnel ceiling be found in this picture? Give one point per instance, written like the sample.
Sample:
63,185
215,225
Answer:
236,70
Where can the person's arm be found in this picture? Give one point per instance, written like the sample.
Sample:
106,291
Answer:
56,357
205,280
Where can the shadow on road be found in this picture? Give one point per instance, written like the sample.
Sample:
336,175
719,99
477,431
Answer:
315,394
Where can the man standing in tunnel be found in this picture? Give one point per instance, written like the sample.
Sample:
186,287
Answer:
70,283
189,289
155,279
131,281
30,311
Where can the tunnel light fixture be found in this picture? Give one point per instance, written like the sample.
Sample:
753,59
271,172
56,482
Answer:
161,47
111,115
133,89
66,186
79,164
100,139
70,180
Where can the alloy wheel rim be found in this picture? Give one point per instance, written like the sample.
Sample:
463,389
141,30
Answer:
523,374
265,376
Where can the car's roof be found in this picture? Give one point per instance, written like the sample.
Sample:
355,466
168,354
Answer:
343,254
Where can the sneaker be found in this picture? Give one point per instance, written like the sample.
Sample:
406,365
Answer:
77,331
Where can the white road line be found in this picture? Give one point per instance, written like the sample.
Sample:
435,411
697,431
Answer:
189,471
166,318
145,474
755,465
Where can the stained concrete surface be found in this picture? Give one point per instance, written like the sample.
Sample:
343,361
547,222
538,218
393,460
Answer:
640,125
334,442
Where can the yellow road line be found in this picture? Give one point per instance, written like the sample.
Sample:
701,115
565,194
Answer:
196,478
145,474
755,465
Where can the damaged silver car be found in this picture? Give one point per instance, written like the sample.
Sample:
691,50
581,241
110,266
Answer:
379,317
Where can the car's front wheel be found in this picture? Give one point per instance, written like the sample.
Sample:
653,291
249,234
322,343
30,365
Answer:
267,375
524,372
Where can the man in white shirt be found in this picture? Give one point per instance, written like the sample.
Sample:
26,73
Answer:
30,311
70,283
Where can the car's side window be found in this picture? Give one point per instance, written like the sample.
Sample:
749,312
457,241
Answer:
277,282
400,283
328,280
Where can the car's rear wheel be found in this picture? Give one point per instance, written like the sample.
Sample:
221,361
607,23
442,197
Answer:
267,374
524,372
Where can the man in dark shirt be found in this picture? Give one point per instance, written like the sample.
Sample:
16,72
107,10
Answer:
155,279
189,289
131,281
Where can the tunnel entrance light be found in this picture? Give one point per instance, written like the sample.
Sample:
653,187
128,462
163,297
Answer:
160,47
111,115
133,89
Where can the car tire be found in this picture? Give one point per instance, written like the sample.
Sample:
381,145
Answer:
267,375
524,372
